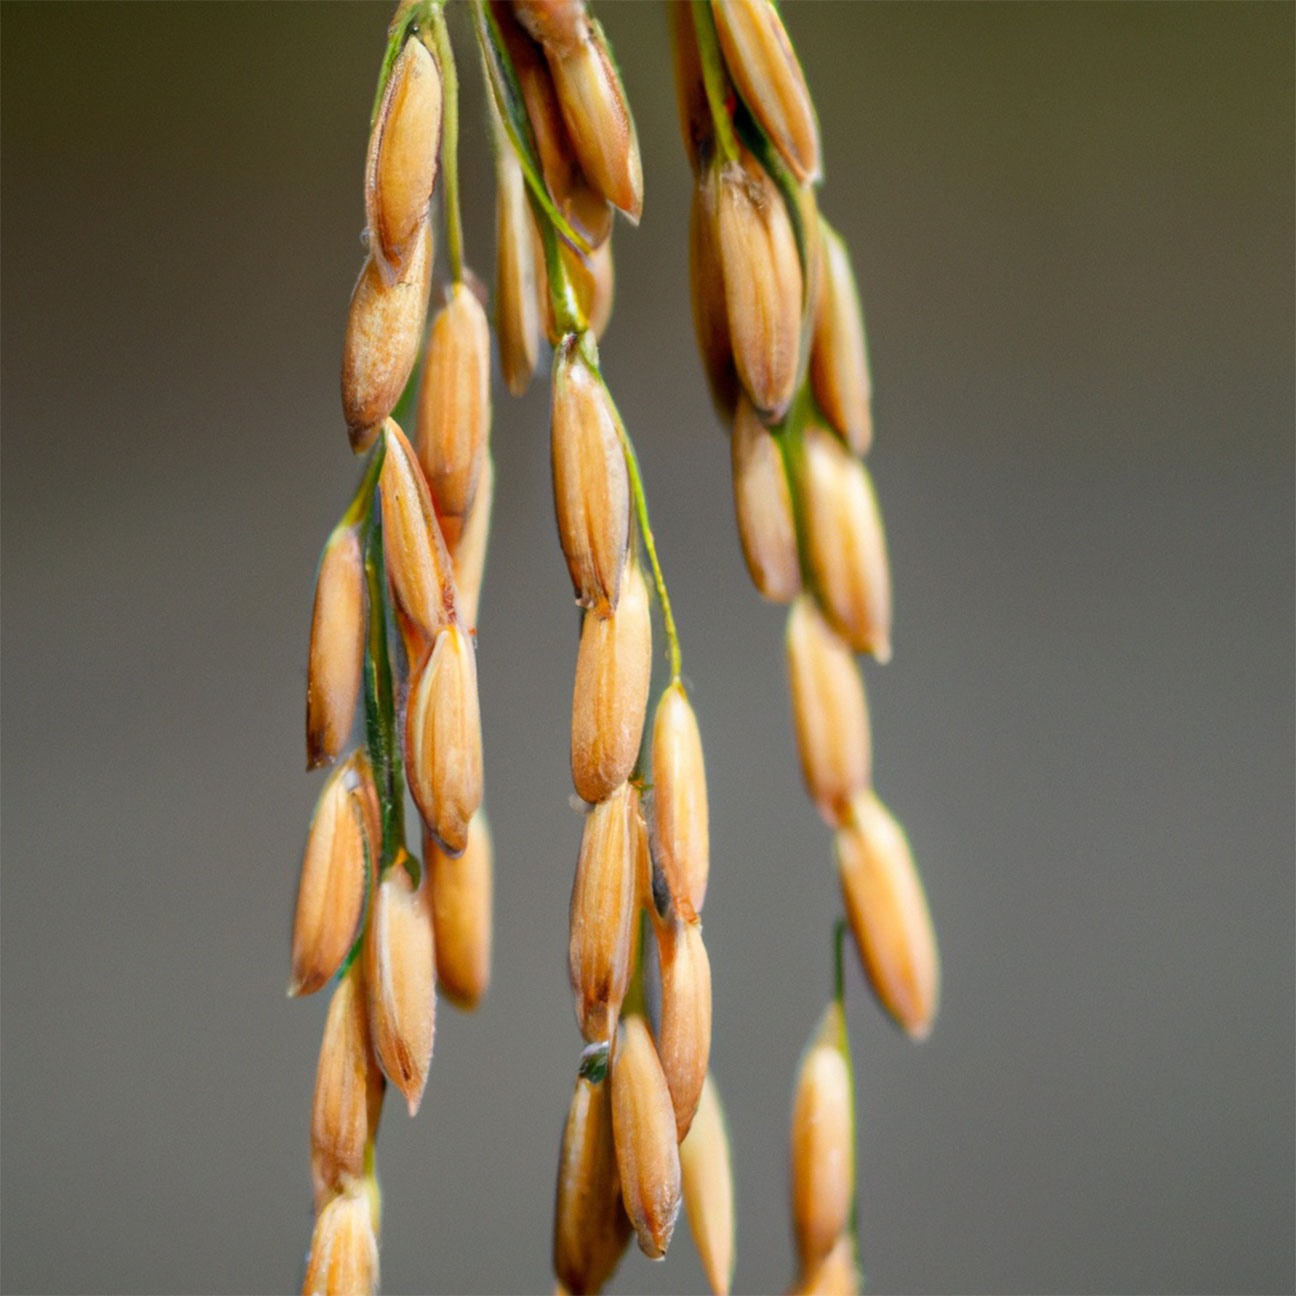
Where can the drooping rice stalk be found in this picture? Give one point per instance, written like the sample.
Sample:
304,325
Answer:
776,311
781,336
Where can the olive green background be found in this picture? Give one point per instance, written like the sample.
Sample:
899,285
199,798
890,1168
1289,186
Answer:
1073,230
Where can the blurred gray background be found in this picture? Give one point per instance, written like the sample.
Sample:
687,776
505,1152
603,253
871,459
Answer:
1073,227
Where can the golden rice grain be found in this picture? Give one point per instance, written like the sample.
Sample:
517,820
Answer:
384,329
344,1251
643,1126
399,980
462,893
603,915
845,542
763,505
590,1225
590,481
598,120
684,1040
402,164
829,711
762,283
610,698
443,748
839,368
707,1178
413,547
330,894
888,914
336,647
823,1142
454,408
768,76
681,834
348,1091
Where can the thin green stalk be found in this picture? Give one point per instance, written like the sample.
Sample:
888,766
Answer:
645,530
565,306
379,697
358,510
713,78
640,498
568,316
438,43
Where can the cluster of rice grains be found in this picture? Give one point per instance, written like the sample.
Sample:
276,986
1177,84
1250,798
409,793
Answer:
644,1130
409,551
779,326
781,337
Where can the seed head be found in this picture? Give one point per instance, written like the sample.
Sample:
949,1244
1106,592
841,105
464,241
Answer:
590,1225
348,1092
402,163
400,981
707,1178
609,702
603,915
461,913
443,749
829,710
643,1125
888,914
384,329
762,282
846,544
768,76
330,895
598,120
763,504
344,1251
591,484
839,368
413,547
336,647
517,317
823,1142
454,407
684,1041
679,801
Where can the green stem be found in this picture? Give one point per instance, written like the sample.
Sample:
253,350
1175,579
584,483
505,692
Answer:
714,78
358,510
568,316
640,498
379,697
440,48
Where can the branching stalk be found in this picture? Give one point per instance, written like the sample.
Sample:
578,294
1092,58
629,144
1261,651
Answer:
379,698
